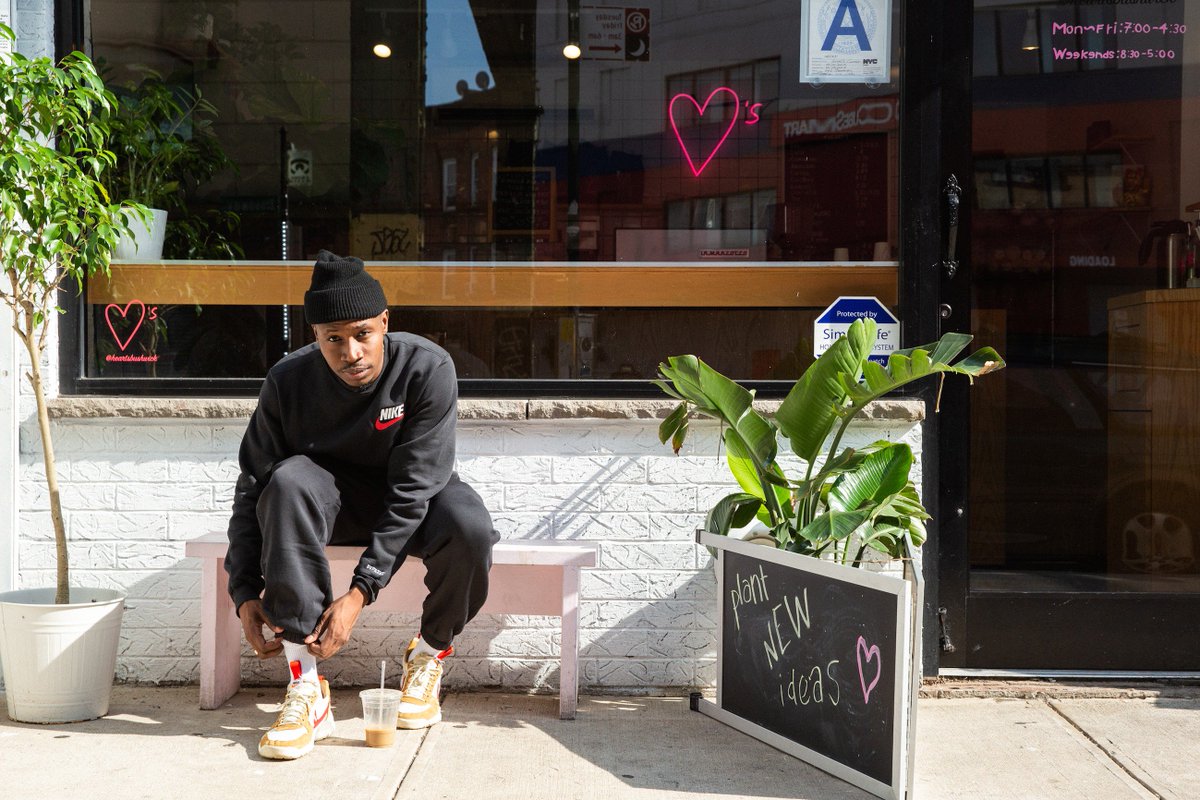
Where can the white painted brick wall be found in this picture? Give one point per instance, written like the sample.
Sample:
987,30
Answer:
134,490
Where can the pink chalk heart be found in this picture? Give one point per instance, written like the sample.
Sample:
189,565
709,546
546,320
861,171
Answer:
124,312
700,110
866,654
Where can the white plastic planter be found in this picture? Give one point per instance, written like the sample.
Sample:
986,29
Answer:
59,660
147,242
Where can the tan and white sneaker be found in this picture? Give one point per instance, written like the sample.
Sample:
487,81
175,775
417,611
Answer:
419,707
305,718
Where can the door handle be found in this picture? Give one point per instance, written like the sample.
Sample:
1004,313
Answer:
953,195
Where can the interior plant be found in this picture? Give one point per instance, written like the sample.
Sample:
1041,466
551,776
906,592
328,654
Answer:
846,501
166,147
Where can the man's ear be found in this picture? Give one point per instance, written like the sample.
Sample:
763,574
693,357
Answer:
383,319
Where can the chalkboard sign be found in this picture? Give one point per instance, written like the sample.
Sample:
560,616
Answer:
524,201
817,656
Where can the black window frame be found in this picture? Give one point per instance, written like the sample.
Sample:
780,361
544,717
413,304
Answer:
70,33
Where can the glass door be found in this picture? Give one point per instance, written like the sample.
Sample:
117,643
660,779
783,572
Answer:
1082,546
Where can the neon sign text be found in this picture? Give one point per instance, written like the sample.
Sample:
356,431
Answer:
752,118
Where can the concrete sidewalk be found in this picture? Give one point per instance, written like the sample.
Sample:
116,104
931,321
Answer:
1029,743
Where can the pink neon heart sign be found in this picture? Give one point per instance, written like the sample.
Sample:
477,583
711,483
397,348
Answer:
867,654
700,109
124,312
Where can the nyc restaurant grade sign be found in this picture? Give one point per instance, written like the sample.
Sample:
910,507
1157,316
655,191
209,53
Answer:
845,41
833,322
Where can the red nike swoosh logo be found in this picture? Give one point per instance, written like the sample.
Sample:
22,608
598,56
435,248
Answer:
380,425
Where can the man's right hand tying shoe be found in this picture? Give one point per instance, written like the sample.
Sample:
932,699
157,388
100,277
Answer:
253,619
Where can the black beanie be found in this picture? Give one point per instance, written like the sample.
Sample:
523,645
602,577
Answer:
341,290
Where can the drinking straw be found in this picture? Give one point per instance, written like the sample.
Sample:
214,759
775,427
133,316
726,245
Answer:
382,670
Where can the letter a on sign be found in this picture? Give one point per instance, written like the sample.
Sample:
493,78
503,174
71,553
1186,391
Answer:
847,22
845,41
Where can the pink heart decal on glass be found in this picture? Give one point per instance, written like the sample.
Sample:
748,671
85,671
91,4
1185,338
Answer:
866,654
700,110
124,312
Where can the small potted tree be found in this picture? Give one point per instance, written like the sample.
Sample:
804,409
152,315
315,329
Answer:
57,225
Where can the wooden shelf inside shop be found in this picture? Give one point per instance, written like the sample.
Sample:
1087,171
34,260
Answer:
506,285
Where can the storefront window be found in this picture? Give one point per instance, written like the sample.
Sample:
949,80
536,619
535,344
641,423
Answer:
679,187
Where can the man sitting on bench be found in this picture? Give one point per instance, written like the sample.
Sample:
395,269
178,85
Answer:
352,442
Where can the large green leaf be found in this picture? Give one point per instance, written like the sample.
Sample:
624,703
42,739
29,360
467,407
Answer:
880,475
950,345
741,464
833,526
768,484
981,362
718,397
735,405
811,408
683,373
674,427
732,511
910,365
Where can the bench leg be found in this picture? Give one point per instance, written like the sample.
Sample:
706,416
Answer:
220,638
568,682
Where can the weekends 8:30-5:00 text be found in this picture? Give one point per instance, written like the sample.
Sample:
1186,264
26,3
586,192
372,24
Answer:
1063,54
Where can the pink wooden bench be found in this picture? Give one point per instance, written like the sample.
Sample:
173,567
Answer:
527,577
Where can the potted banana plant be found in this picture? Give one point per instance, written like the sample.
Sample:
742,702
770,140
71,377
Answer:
817,657
57,645
846,502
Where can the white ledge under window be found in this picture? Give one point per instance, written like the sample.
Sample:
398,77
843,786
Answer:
469,408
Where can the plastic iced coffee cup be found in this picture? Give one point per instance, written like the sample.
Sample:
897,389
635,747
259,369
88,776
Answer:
380,707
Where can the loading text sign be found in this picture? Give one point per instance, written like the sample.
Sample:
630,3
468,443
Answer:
845,41
814,658
832,324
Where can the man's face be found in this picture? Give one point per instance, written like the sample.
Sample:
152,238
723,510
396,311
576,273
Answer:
354,349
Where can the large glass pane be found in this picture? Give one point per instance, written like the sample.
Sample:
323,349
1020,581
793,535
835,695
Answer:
1085,452
454,136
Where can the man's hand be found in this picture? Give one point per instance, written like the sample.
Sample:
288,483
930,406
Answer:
253,619
333,629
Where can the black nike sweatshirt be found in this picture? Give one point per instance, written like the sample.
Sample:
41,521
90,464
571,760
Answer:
402,425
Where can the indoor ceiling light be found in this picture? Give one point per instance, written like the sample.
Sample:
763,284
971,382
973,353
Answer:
382,49
572,51
1030,40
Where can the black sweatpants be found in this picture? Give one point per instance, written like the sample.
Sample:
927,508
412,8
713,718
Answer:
307,505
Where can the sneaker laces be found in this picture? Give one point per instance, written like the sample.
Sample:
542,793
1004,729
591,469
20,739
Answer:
297,705
423,672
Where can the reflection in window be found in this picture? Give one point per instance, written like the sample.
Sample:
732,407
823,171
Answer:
1083,234
455,63
468,138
